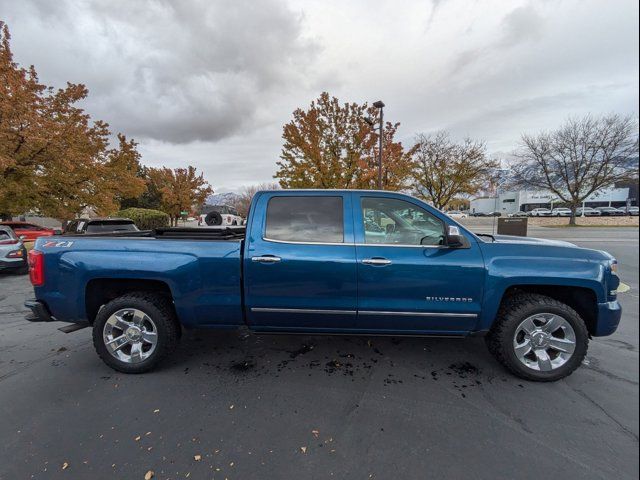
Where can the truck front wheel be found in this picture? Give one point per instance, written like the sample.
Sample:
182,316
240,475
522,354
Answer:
134,332
538,338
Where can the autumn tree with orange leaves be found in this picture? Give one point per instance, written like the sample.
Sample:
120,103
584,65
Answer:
330,145
181,189
53,158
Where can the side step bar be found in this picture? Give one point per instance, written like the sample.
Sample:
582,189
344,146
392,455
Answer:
72,327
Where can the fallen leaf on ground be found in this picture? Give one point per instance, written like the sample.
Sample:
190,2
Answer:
197,458
315,433
137,438
156,410
65,465
303,449
149,475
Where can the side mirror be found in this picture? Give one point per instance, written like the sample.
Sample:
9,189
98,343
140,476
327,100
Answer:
454,239
22,237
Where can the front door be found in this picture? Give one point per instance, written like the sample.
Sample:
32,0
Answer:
299,267
409,281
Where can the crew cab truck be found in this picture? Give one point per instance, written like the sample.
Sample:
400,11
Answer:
326,262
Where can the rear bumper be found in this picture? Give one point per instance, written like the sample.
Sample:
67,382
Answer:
609,314
39,312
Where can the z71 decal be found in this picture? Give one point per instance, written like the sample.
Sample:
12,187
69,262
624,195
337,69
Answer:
57,244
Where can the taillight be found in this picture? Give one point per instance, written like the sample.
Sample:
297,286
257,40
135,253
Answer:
15,254
36,268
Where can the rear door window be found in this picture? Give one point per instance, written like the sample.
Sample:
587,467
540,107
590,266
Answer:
307,219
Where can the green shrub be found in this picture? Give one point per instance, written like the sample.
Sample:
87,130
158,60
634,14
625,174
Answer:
144,218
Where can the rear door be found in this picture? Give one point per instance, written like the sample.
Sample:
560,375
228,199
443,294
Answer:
409,281
299,265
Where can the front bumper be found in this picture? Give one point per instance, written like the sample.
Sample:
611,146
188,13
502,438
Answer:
39,312
13,263
609,314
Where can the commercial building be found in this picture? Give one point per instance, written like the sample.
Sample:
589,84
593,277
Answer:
526,200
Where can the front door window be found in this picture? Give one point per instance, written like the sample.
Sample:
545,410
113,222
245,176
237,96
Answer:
390,221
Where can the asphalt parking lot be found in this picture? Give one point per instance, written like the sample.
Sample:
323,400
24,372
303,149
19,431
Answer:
237,406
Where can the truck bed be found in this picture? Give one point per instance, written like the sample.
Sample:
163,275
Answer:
173,233
199,267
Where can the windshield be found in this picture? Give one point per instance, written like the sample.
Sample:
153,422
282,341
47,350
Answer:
7,235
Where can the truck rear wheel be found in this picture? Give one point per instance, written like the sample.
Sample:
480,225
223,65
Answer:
134,332
538,338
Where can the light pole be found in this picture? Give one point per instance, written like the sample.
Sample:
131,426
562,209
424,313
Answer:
380,105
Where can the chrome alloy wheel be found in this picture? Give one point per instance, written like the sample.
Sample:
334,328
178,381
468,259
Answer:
544,342
130,335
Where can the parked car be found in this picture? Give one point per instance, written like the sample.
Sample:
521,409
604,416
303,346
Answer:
588,212
29,231
631,211
540,212
609,211
457,214
221,215
100,225
517,214
13,254
306,263
494,214
478,214
561,212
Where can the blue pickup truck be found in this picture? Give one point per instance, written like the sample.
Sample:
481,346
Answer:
330,262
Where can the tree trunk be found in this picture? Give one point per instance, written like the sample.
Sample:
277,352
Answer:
572,219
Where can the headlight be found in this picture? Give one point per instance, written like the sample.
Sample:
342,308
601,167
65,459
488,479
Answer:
614,267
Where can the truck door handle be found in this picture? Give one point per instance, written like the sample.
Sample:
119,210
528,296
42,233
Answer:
376,261
266,259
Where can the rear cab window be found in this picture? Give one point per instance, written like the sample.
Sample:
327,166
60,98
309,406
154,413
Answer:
107,226
305,219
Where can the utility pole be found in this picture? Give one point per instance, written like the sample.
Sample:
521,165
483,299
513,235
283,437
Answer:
380,105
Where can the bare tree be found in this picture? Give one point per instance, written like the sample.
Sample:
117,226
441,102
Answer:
243,202
580,158
445,169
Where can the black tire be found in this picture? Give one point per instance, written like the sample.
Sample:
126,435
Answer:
516,309
157,308
213,219
22,270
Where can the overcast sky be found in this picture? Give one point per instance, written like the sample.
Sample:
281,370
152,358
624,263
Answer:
210,83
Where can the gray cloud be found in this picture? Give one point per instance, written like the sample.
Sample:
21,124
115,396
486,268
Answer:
211,83
521,25
172,71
